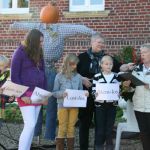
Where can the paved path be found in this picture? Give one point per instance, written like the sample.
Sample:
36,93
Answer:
15,129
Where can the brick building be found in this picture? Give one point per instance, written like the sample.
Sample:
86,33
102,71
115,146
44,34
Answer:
122,22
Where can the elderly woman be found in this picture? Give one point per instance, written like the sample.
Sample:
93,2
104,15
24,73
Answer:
141,97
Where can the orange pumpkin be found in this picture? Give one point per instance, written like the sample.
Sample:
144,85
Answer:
49,14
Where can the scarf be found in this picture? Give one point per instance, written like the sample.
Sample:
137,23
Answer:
95,59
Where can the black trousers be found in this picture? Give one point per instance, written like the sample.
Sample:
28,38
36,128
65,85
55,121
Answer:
85,119
105,114
143,120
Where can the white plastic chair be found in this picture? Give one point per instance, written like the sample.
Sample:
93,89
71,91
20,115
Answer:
129,126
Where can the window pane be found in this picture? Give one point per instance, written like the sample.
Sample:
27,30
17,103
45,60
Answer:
95,2
77,2
6,4
23,3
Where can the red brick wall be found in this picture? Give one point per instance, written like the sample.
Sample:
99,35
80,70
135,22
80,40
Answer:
128,23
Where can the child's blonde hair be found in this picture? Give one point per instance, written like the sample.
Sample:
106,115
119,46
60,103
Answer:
106,57
4,60
66,68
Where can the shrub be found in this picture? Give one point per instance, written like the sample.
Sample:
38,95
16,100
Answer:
127,54
12,113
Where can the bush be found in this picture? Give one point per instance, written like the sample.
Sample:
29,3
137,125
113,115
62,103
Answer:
127,54
12,113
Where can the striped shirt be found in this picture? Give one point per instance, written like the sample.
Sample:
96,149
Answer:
101,78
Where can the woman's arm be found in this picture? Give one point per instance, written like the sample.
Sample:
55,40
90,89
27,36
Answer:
127,67
56,90
16,66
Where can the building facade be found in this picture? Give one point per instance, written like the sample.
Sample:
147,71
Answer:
122,22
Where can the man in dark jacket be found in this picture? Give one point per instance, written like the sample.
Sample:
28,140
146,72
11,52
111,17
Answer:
89,66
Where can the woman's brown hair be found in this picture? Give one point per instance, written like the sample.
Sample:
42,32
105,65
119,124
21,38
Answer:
32,45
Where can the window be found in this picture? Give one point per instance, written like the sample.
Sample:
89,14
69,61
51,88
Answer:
86,5
14,6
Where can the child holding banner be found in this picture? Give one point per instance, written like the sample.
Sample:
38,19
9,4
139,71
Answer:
105,110
68,78
4,74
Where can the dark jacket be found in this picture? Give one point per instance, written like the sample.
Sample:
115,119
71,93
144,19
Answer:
83,67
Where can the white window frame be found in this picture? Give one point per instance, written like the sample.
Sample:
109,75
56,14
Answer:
86,7
14,9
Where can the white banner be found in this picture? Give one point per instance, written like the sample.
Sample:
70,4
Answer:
75,98
13,89
40,95
107,91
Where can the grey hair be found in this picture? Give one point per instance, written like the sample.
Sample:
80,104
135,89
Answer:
4,59
146,45
97,36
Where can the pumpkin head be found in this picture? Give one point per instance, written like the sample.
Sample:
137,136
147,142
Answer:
49,14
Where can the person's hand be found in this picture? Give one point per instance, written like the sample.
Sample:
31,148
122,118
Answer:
131,66
126,83
11,99
126,86
86,82
127,67
26,99
65,94
87,94
45,102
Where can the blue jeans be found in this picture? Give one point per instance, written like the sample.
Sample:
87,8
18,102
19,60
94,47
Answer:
105,114
51,110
